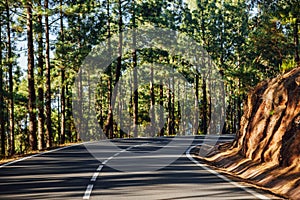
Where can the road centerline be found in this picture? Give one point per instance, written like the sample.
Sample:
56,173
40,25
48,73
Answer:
89,188
94,178
88,191
99,168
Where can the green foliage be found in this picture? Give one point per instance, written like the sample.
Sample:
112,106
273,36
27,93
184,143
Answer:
249,41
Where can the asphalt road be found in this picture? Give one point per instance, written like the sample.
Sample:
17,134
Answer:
73,173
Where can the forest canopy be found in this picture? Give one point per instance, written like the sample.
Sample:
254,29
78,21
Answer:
248,40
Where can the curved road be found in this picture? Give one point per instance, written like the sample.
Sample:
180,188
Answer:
73,173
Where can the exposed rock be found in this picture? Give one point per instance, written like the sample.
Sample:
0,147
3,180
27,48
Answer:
267,148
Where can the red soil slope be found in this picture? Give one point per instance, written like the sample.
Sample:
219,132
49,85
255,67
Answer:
267,149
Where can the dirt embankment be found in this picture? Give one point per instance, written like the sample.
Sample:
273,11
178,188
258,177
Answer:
267,148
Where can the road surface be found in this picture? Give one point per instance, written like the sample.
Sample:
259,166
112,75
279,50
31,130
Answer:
73,173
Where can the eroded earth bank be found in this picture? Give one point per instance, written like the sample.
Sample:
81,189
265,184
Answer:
266,151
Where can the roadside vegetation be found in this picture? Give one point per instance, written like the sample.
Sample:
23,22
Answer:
249,41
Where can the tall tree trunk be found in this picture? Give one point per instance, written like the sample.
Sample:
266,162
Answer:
296,41
48,80
63,98
2,121
120,46
152,100
204,86
68,114
109,121
179,106
161,103
169,110
119,64
11,95
58,118
135,82
196,101
81,121
101,105
239,107
173,104
31,89
204,106
41,117
120,110
63,108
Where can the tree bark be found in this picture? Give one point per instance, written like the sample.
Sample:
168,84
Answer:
101,105
63,108
204,107
31,88
120,46
119,63
196,101
2,121
11,95
81,121
41,117
109,121
48,80
135,81
173,105
63,98
169,110
152,102
161,103
68,115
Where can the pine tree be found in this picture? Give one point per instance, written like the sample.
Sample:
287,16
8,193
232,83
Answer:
31,85
48,78
40,105
2,121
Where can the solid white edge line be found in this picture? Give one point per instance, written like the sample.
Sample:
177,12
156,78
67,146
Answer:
39,154
88,191
260,196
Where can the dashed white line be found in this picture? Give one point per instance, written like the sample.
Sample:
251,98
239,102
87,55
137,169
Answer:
110,158
104,162
88,191
94,178
203,166
116,154
89,188
99,168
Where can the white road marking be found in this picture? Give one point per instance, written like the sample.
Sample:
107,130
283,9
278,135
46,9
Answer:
94,178
116,154
203,166
88,191
104,162
89,188
110,158
99,168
